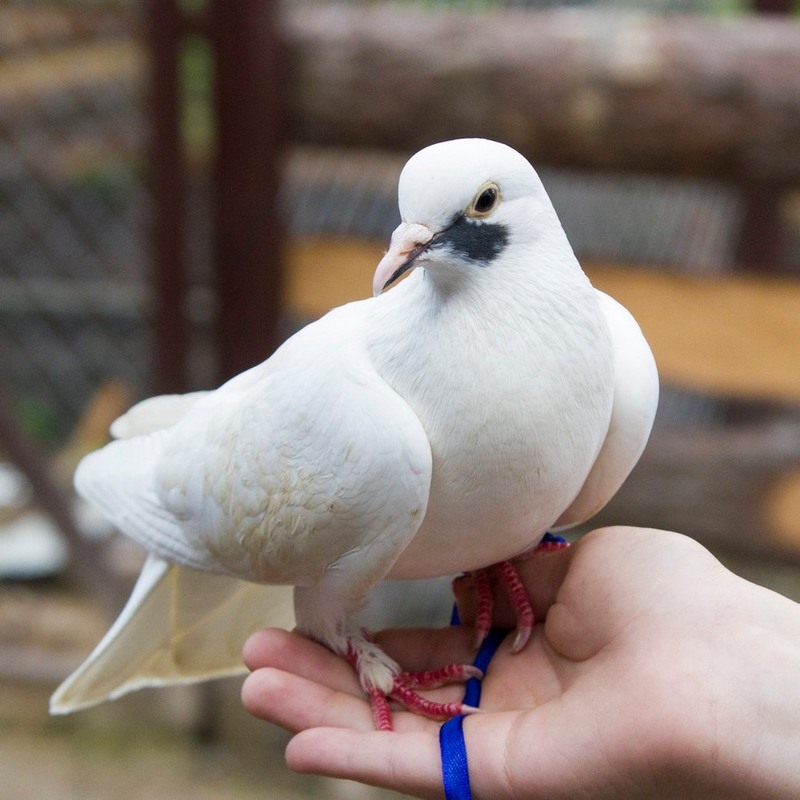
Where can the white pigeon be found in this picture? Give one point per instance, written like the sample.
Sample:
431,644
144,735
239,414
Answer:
436,428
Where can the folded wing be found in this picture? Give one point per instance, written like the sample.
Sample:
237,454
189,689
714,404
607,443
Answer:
634,408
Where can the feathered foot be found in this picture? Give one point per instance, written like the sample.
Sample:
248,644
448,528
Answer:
508,576
382,680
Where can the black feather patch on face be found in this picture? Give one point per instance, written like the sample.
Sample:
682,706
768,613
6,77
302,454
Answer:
481,242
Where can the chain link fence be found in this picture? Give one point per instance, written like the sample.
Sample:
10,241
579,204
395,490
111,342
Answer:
72,205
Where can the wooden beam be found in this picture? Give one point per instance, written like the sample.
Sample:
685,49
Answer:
733,336
685,95
734,488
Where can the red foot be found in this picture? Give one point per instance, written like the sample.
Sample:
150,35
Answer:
405,687
381,712
433,679
404,692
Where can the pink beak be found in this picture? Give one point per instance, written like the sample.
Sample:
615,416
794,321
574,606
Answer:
408,242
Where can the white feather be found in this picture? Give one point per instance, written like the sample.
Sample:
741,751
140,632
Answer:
178,626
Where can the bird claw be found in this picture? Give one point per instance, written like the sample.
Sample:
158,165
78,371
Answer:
433,679
483,617
518,594
404,692
405,686
508,576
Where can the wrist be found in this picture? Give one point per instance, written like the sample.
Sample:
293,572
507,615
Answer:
750,744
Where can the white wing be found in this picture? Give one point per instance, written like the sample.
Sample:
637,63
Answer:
178,626
279,473
635,402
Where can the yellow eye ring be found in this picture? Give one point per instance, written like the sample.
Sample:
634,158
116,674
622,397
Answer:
486,201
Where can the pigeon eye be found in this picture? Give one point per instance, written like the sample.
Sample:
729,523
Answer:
485,202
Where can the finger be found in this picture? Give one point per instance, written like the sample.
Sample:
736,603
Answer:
509,754
405,762
494,742
296,703
420,649
542,576
411,762
293,652
533,754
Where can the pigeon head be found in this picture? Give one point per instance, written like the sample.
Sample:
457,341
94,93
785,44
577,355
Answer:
463,203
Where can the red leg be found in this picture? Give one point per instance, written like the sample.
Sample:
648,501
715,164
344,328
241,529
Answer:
483,618
381,713
509,577
433,679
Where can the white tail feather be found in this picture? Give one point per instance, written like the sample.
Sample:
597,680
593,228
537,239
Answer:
179,626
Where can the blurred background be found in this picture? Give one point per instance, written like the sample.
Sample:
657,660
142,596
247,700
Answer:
183,184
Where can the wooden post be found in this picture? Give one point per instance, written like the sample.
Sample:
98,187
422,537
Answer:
247,226
762,235
168,186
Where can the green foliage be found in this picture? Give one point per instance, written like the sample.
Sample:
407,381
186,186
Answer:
39,421
197,78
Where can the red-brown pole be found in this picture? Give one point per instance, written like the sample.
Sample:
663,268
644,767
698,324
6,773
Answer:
762,234
168,187
247,226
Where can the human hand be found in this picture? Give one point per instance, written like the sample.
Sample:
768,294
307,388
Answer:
656,673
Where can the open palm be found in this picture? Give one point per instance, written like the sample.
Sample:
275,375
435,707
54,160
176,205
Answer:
620,693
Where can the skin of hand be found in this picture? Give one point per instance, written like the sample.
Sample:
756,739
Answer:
656,673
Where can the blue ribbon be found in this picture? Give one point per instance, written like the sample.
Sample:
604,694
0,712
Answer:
472,693
455,770
455,774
